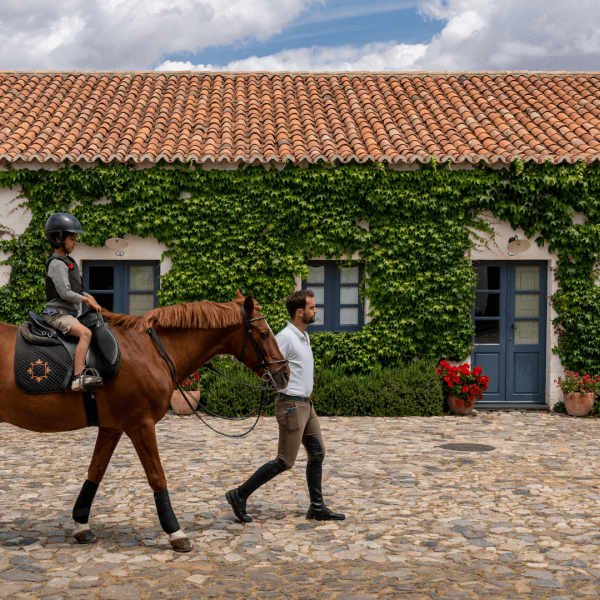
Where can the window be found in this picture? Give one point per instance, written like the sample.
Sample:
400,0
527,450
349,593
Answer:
127,287
337,296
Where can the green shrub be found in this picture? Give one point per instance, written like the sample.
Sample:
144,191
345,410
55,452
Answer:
402,391
406,390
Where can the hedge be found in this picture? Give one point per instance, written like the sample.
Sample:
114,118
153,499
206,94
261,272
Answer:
413,389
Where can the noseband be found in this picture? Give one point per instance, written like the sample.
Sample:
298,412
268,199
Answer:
268,377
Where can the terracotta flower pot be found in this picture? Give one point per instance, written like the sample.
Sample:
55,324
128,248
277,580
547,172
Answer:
180,406
458,406
579,405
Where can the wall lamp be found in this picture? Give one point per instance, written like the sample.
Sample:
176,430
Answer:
516,246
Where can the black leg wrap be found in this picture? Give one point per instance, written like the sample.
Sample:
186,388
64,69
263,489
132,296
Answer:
166,516
263,475
81,510
313,447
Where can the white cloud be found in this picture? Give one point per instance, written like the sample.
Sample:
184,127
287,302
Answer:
138,34
477,35
372,57
131,34
513,34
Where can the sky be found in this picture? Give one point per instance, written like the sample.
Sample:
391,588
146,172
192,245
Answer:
300,35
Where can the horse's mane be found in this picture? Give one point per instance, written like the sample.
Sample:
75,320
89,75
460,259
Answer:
189,315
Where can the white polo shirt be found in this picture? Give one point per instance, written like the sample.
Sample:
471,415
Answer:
295,347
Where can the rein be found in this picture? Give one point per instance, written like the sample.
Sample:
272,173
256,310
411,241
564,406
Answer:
268,388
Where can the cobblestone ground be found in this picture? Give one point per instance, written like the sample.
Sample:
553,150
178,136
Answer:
520,521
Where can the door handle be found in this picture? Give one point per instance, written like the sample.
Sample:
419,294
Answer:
513,327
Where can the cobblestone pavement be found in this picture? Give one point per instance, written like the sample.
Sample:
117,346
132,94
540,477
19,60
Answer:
520,521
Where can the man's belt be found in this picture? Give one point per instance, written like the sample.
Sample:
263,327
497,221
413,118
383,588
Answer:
295,398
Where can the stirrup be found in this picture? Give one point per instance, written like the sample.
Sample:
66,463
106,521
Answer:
87,378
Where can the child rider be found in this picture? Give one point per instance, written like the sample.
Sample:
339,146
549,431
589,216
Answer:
65,293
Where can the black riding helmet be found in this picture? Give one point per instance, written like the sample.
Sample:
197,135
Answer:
59,225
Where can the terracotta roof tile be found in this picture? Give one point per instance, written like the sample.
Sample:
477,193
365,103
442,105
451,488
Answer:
246,117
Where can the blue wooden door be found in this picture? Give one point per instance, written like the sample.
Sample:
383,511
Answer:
509,314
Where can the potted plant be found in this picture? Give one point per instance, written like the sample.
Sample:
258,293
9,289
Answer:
193,389
579,392
462,386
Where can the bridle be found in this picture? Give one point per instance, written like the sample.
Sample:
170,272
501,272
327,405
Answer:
269,387
268,377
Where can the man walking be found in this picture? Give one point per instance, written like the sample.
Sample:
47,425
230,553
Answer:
296,417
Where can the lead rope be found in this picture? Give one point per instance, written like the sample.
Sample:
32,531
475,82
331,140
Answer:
266,393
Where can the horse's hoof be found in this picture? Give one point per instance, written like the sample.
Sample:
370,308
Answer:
181,545
86,537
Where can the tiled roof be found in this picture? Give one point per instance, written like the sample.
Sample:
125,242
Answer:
274,117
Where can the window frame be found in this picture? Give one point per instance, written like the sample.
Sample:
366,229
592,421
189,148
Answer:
121,291
332,286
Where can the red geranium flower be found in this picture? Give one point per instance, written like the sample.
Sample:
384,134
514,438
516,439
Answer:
465,383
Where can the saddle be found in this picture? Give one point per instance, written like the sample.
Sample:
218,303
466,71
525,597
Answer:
44,357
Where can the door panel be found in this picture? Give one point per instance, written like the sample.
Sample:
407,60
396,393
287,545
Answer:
509,315
491,367
526,373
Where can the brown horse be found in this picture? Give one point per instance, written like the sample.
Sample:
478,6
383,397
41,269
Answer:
138,397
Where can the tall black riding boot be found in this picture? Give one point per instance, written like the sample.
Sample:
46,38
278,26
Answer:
318,510
238,496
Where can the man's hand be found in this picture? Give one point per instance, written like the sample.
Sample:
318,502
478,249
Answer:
91,302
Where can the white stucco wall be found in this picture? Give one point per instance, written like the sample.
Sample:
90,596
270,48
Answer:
138,249
14,219
13,222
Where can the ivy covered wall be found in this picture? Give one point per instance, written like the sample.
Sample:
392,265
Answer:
255,229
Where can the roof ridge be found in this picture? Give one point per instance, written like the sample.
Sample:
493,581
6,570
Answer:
280,73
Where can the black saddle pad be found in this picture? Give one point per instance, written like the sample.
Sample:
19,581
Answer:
45,365
41,369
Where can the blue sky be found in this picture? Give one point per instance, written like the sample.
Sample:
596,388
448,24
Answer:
330,25
300,35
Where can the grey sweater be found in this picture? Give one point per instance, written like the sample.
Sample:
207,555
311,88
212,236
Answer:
69,301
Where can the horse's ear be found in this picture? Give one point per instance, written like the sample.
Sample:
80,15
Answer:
249,305
239,295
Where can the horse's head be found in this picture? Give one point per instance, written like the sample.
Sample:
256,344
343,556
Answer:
258,348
